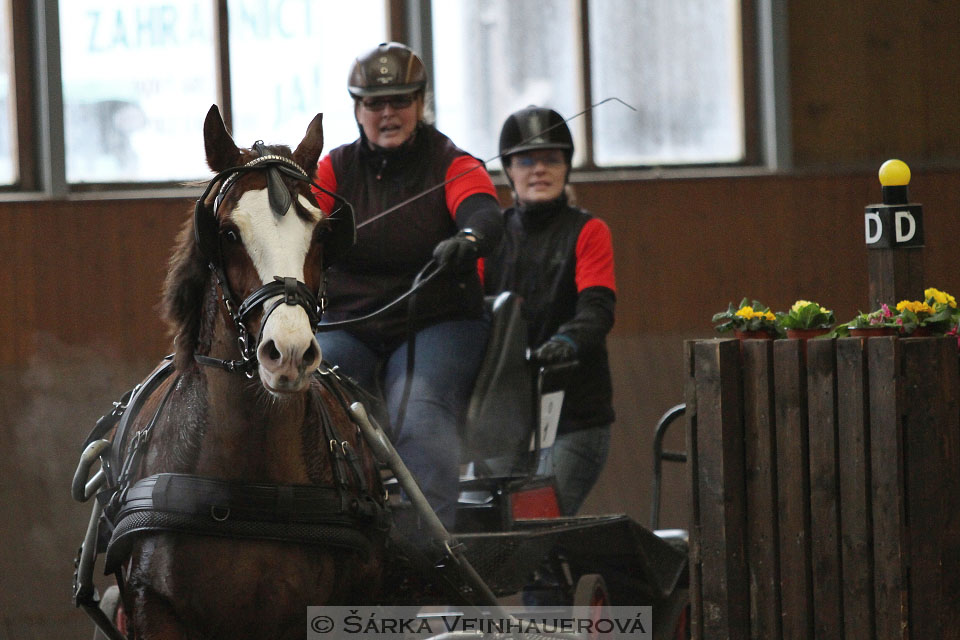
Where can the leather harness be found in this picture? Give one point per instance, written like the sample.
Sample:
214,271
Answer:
336,515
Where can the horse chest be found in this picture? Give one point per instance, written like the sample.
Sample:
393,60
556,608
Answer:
238,589
243,441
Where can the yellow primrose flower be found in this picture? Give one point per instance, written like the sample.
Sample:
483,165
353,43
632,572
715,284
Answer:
748,313
915,306
941,297
799,304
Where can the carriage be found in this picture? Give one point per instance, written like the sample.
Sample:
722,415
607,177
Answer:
222,510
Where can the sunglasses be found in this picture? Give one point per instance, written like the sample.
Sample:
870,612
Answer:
396,102
529,161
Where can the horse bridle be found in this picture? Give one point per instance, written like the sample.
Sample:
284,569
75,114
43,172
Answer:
206,228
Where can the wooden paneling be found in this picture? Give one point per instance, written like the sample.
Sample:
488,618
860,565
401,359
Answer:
87,273
890,485
872,80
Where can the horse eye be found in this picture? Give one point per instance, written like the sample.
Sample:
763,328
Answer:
231,235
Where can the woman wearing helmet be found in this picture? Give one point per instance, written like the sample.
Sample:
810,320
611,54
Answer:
559,259
397,157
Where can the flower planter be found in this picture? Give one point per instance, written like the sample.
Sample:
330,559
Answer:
871,332
752,335
919,332
805,334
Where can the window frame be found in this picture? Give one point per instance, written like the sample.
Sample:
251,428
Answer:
39,103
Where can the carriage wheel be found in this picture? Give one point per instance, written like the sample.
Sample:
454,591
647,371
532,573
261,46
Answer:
591,592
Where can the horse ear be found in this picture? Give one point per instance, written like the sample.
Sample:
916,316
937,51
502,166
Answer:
222,151
183,292
308,151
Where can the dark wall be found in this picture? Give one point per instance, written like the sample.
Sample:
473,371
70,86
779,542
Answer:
870,79
81,279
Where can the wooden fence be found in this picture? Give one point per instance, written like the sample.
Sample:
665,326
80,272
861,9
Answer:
826,488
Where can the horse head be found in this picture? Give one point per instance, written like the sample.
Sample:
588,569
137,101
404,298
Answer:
258,233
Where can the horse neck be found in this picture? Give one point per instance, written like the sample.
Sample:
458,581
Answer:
248,432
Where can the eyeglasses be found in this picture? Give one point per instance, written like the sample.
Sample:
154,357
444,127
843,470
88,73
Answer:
529,161
396,102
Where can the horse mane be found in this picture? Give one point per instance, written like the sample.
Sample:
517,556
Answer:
188,278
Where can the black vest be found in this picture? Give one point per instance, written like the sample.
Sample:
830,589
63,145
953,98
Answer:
390,251
537,259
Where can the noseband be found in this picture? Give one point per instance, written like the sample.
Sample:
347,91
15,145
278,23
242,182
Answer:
291,291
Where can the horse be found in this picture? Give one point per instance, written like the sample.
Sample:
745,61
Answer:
246,492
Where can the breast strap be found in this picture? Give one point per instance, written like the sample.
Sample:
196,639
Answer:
339,515
207,506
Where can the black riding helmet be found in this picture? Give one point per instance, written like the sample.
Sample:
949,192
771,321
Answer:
532,129
388,69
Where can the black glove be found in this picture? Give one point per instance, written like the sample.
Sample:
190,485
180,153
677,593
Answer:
459,252
556,350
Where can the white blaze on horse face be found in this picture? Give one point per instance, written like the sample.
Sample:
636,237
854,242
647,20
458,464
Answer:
278,246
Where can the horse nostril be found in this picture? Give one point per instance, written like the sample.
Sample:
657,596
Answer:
271,350
310,354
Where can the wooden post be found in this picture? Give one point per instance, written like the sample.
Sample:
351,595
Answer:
889,508
894,235
894,275
725,592
763,558
793,482
856,520
824,494
693,468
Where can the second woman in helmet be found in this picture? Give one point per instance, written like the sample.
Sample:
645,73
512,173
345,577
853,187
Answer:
559,259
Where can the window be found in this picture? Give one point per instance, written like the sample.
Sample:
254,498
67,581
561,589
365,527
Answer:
289,60
8,170
137,78
487,64
676,62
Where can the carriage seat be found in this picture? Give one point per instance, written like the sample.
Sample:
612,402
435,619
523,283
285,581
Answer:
500,414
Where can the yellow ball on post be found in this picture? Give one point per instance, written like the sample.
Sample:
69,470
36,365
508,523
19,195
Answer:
894,173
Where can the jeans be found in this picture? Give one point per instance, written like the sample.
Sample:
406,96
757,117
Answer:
575,460
447,357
